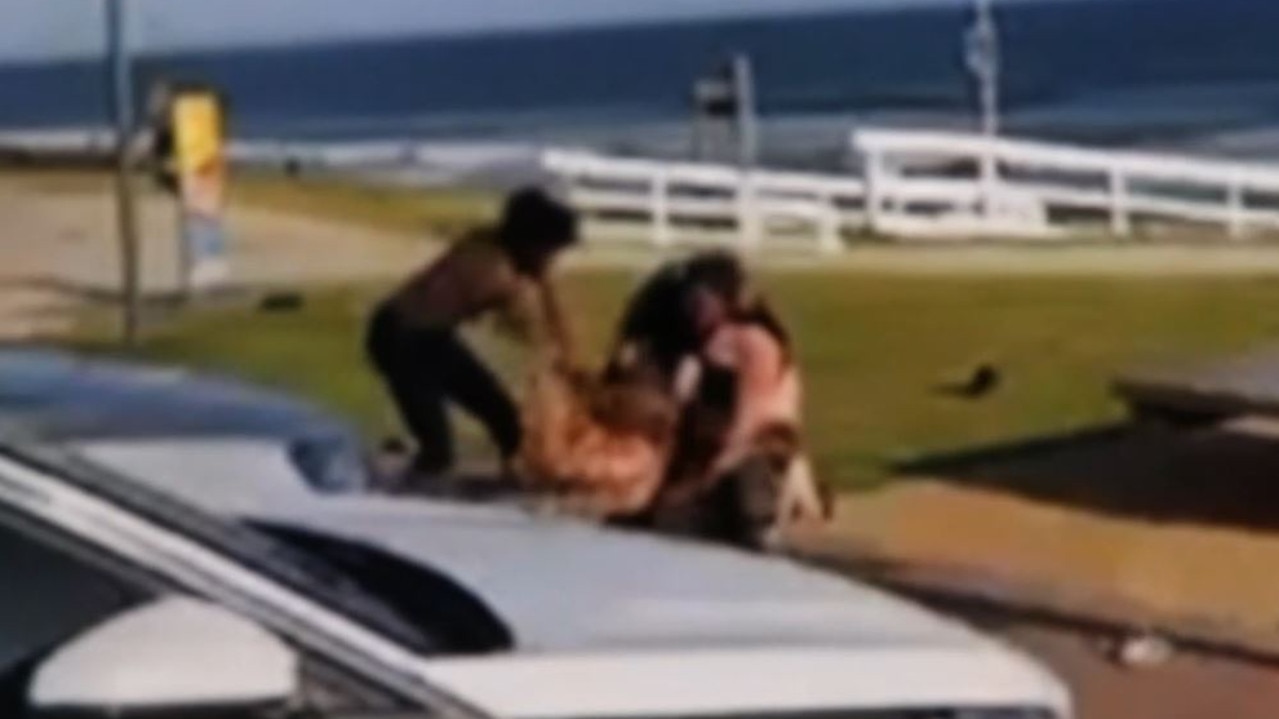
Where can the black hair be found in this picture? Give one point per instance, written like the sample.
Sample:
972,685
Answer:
657,318
723,274
718,271
535,225
658,315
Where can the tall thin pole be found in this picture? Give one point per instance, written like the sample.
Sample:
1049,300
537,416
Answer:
984,62
743,73
120,84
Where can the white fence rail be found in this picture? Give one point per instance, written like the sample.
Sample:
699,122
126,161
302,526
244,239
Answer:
919,184
667,203
931,183
57,142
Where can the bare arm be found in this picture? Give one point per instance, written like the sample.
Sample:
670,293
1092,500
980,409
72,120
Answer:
759,362
533,313
516,309
557,327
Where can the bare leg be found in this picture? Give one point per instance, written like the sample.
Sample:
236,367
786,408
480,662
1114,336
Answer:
801,497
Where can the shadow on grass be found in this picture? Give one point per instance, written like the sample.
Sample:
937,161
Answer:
1215,477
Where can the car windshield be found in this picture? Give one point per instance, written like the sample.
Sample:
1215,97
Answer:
307,573
436,605
319,577
330,463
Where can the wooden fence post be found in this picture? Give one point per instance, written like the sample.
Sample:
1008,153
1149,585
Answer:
748,214
660,206
1235,208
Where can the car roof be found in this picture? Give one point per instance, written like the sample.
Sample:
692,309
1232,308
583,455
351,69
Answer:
61,396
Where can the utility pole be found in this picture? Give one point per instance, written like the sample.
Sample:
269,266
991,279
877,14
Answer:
120,94
984,62
743,75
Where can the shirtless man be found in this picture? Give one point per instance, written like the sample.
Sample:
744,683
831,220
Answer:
413,341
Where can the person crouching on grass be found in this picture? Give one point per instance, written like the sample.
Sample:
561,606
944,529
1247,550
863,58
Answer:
742,471
413,340
738,473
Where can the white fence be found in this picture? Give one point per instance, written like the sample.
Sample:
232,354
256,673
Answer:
925,183
666,203
94,142
919,184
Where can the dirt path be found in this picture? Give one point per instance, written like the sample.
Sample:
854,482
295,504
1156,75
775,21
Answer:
1058,545
1188,687
1183,523
1174,570
57,246
71,236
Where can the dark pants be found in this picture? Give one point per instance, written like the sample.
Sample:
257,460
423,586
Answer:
739,509
422,370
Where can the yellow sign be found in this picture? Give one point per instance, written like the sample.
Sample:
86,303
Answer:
199,140
200,147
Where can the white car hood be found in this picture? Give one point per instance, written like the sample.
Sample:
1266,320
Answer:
638,626
617,625
563,586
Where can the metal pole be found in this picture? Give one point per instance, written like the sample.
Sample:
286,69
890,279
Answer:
985,63
699,134
120,84
987,39
747,118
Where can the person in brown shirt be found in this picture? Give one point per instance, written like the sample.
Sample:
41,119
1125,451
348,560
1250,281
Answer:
413,341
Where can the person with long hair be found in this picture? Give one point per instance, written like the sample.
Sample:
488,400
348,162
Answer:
738,471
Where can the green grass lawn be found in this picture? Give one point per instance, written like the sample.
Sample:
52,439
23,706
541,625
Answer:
873,349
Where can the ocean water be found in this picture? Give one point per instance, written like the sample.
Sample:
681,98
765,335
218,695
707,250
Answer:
1194,75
